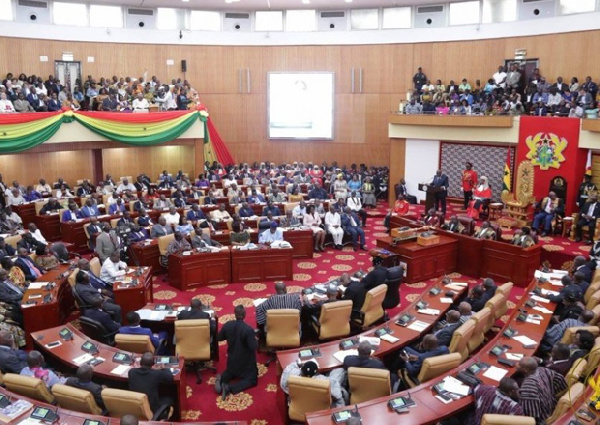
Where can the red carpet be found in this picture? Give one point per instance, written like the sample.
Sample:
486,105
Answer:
257,405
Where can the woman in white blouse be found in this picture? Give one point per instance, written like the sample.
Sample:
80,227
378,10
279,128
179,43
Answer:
312,219
6,106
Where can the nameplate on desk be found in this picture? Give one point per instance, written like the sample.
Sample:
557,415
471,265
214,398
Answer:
418,326
84,358
187,253
35,297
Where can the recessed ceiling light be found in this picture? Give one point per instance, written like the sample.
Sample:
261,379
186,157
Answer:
185,1
348,1
306,1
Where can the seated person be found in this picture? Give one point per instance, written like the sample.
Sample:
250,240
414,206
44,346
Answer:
453,225
172,217
35,368
280,300
377,276
96,312
559,360
238,235
83,381
12,360
477,298
113,268
184,228
6,250
351,224
445,332
26,264
144,219
317,192
196,311
310,369
555,333
138,234
355,291
44,259
485,232
590,212
523,237
289,220
72,213
37,234
412,360
299,210
582,345
203,240
178,245
51,206
147,380
271,235
117,208
246,211
482,194
29,243
161,228
89,210
133,328
313,307
195,214
503,400
162,203
220,214
549,208
313,220
431,219
270,208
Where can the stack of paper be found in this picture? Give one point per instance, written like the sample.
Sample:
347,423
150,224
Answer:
418,326
542,309
390,338
83,359
495,373
446,300
540,299
514,356
429,311
258,301
341,355
37,285
454,287
374,341
524,340
453,385
533,321
547,291
120,370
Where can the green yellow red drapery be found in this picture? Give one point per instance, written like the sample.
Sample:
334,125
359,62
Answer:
20,132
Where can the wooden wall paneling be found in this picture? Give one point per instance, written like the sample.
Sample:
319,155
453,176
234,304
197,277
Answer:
402,67
397,163
376,109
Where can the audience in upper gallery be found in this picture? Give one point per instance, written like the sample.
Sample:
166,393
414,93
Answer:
504,94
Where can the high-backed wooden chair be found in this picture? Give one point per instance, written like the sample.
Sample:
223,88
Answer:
28,386
307,395
372,309
334,320
122,402
519,202
482,320
367,383
460,339
565,403
433,367
494,419
135,343
75,399
282,329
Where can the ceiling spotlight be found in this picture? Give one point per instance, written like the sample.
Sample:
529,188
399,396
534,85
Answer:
306,1
185,1
348,1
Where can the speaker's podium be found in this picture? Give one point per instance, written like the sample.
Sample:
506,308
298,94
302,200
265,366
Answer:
430,192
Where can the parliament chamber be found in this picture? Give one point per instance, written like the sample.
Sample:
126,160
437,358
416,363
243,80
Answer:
277,212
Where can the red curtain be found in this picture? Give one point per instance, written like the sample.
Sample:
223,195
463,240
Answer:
219,146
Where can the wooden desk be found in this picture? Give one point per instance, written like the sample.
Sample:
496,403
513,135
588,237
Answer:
261,264
424,262
132,298
470,253
49,225
42,315
506,262
72,232
301,240
147,254
26,212
430,410
62,357
200,269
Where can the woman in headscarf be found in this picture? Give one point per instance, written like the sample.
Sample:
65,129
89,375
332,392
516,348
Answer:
482,194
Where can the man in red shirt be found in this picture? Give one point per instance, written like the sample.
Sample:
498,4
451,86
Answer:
469,180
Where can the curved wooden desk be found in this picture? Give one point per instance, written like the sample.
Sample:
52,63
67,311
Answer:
62,357
429,409
71,417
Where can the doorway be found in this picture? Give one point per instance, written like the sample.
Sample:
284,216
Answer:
68,73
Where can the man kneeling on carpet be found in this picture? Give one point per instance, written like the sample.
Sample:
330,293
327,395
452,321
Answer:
241,356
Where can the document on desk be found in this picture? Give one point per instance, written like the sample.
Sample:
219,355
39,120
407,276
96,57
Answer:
418,326
514,356
526,341
373,340
429,311
542,309
389,338
146,314
540,299
454,287
533,321
258,301
37,285
495,373
547,291
446,300
120,370
342,354
453,385
82,359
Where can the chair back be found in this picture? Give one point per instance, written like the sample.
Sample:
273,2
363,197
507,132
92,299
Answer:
596,311
72,276
591,290
283,328
494,419
576,371
372,307
593,300
367,383
75,399
570,398
504,289
28,386
38,206
569,335
123,402
307,395
335,319
392,295
79,302
482,321
163,243
86,231
460,339
193,339
438,365
593,359
468,223
113,222
497,305
94,329
95,266
13,240
135,343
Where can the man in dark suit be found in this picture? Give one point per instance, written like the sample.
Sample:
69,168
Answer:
134,328
96,312
50,206
401,192
161,229
72,213
444,334
477,298
147,380
91,295
6,250
377,276
412,360
138,234
589,214
29,243
580,265
355,291
363,359
195,214
559,360
126,220
25,263
351,224
83,381
440,183
11,359
196,311
94,229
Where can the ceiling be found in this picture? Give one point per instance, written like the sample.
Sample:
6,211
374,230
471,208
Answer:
250,5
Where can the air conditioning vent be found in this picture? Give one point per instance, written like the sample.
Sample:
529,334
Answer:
237,16
430,9
532,1
33,3
333,14
144,12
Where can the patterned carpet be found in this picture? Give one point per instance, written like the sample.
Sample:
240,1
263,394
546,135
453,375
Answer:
257,405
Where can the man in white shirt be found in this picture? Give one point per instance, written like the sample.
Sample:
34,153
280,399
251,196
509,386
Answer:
113,268
228,181
299,210
140,104
500,77
126,186
221,214
272,235
173,217
43,187
37,235
14,197
14,217
161,203
333,223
